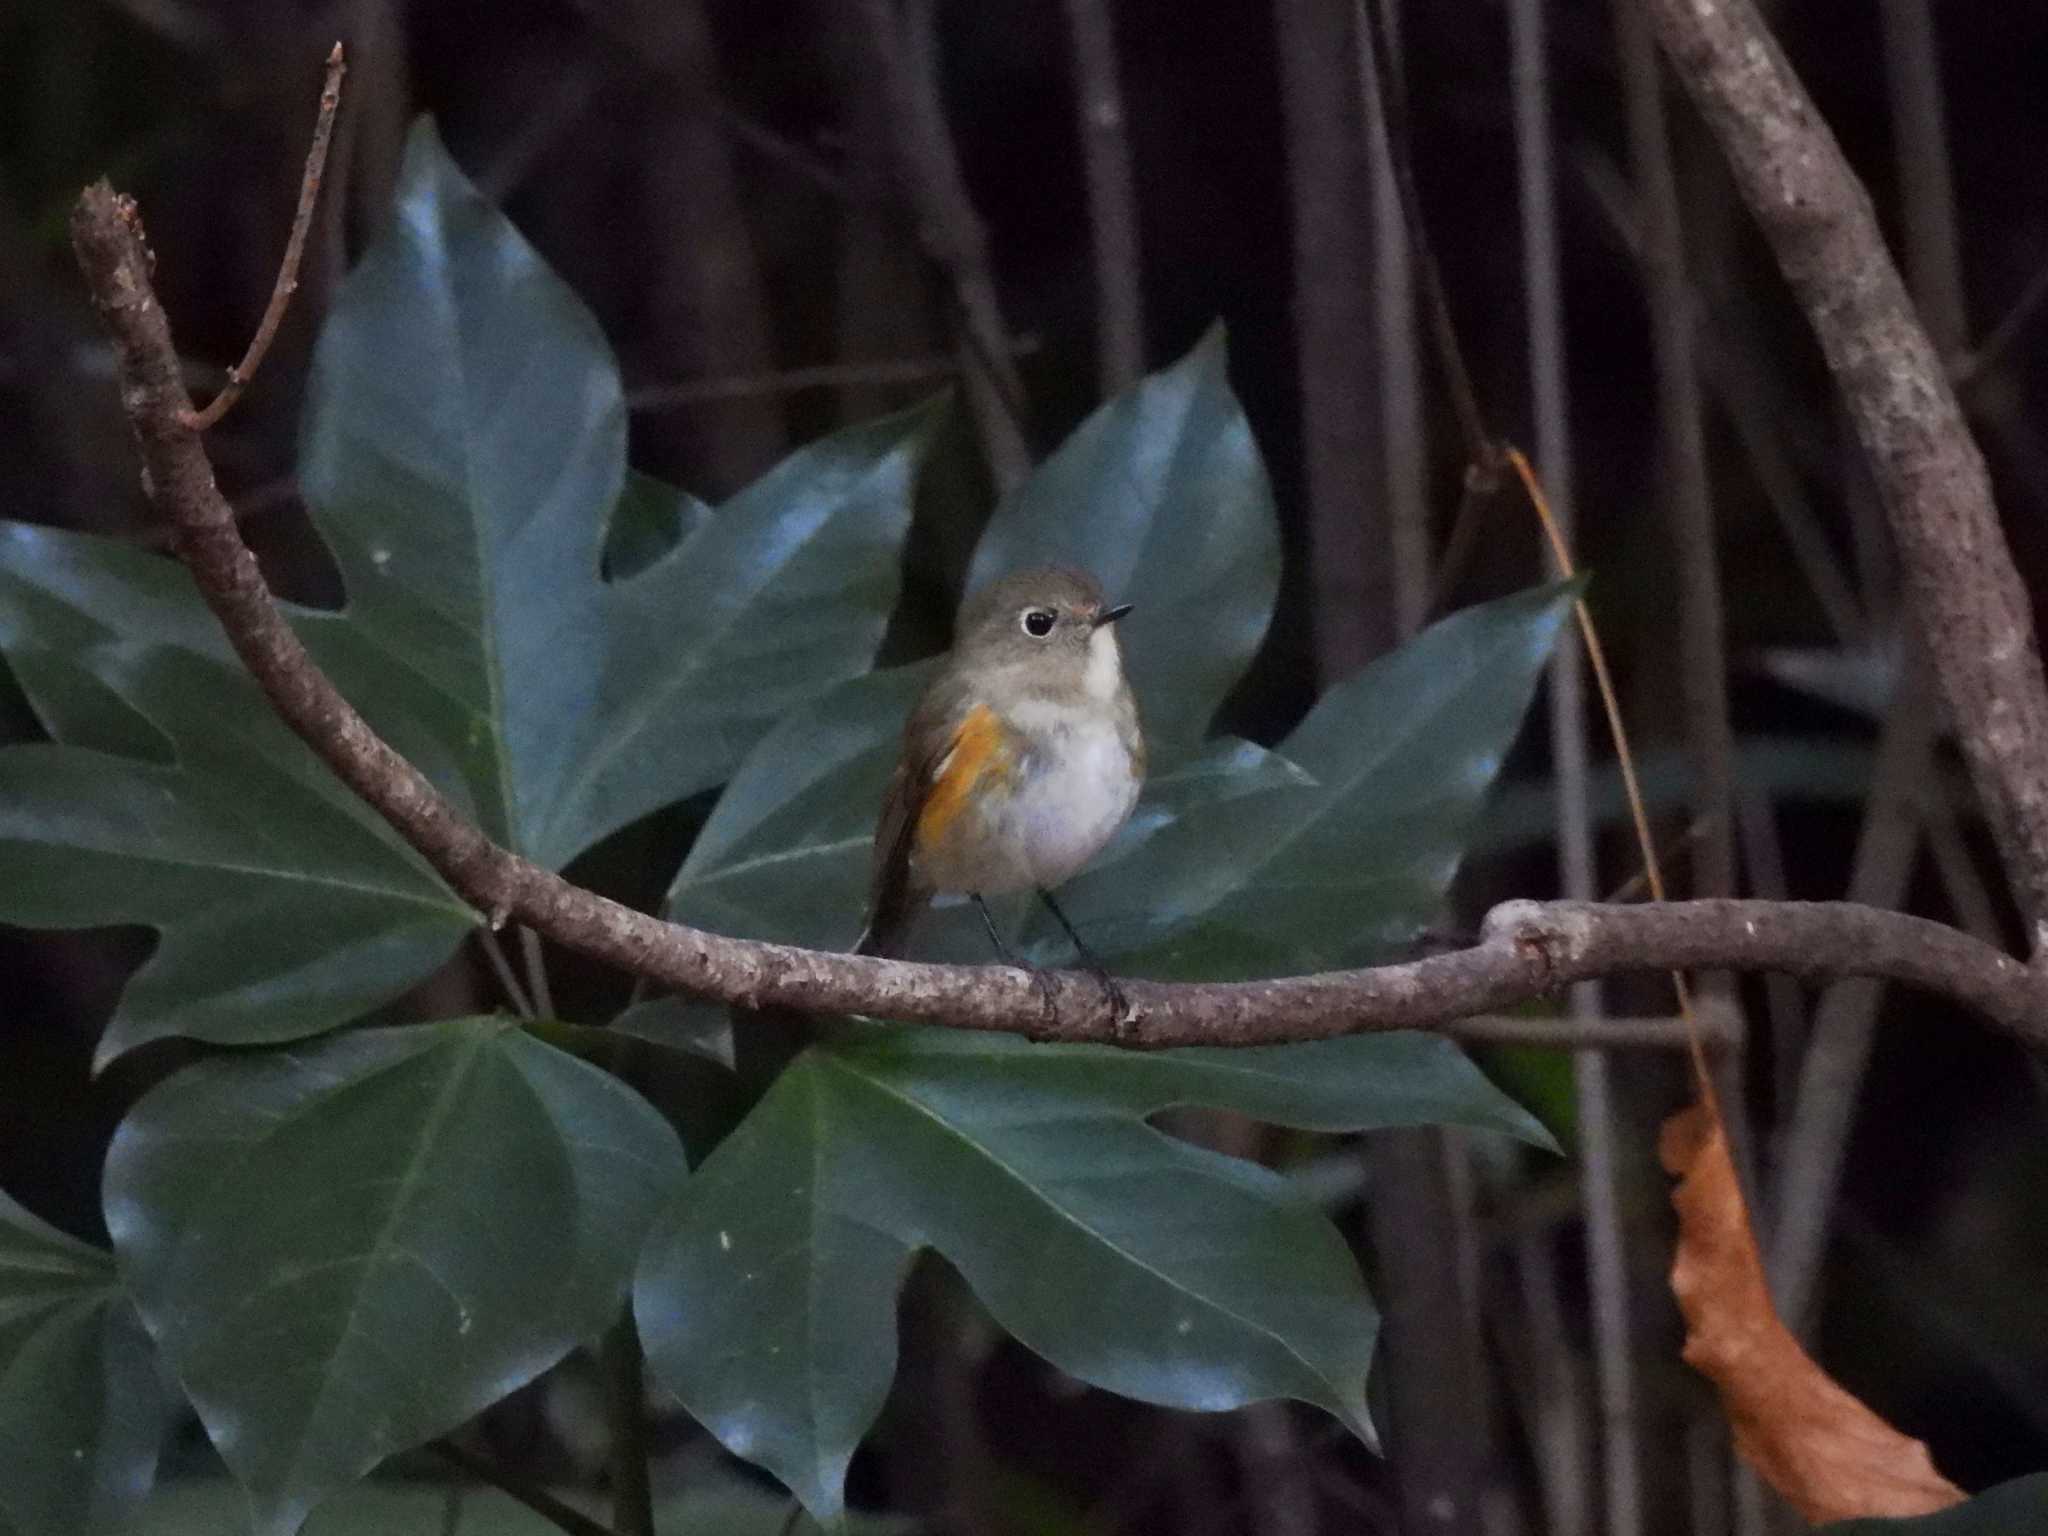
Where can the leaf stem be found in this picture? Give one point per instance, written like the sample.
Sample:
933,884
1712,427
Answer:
626,1408
531,1494
507,977
536,972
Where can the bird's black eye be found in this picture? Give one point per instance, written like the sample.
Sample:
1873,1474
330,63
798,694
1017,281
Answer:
1038,622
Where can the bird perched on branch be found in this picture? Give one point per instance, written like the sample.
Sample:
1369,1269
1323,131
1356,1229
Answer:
1020,760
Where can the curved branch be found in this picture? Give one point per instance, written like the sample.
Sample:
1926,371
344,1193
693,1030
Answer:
1525,949
1968,600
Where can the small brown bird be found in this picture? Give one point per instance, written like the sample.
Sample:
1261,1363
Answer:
1020,760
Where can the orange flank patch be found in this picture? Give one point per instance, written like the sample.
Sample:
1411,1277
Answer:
978,757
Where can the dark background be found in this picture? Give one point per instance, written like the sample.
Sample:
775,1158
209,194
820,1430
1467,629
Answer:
717,181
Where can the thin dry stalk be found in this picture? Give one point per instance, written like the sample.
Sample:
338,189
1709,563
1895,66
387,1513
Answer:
294,249
1965,593
1404,436
1349,572
1838,1052
904,50
1816,1138
1703,662
1565,1486
1112,196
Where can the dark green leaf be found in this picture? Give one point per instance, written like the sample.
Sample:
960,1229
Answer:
80,1413
1345,872
465,456
1162,494
2017,1508
767,1298
1133,1261
650,519
347,1249
712,1505
680,1024
785,854
464,452
173,796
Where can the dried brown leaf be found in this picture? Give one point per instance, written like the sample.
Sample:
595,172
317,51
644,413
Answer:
1831,1457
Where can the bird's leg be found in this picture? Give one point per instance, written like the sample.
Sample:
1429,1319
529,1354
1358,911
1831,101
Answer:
1039,979
1090,961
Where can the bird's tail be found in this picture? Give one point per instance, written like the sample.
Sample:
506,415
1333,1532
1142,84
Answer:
893,915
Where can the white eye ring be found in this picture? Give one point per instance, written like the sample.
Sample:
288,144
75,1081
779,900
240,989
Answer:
1038,622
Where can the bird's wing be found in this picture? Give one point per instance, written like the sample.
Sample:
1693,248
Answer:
948,743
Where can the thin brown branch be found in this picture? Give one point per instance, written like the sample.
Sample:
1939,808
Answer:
1724,333
1991,351
1966,594
706,309
1920,149
1482,451
1763,857
1526,949
536,973
625,1382
564,1517
508,979
790,381
1599,1125
948,227
1331,275
1112,197
1741,398
294,248
1815,1143
1545,1381
1687,497
780,149
1440,1416
1404,436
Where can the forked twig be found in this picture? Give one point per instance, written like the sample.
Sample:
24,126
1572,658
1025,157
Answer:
565,1517
1525,948
288,270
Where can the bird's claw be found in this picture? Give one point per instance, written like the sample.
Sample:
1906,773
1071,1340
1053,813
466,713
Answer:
1047,989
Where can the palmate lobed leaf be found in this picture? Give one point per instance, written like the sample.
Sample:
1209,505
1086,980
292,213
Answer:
1161,493
785,853
562,646
1133,1261
1333,850
347,1249
1345,871
174,796
80,1412
465,443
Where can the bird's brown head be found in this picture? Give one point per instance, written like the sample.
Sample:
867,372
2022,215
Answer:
1048,629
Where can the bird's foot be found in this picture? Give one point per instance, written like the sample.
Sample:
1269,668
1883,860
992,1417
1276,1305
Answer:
1047,989
1113,995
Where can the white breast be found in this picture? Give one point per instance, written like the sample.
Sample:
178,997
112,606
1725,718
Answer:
1105,674
1081,786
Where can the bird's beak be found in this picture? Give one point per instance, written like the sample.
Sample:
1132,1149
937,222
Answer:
1110,615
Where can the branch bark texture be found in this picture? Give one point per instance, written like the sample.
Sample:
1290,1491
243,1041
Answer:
1526,948
1966,593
